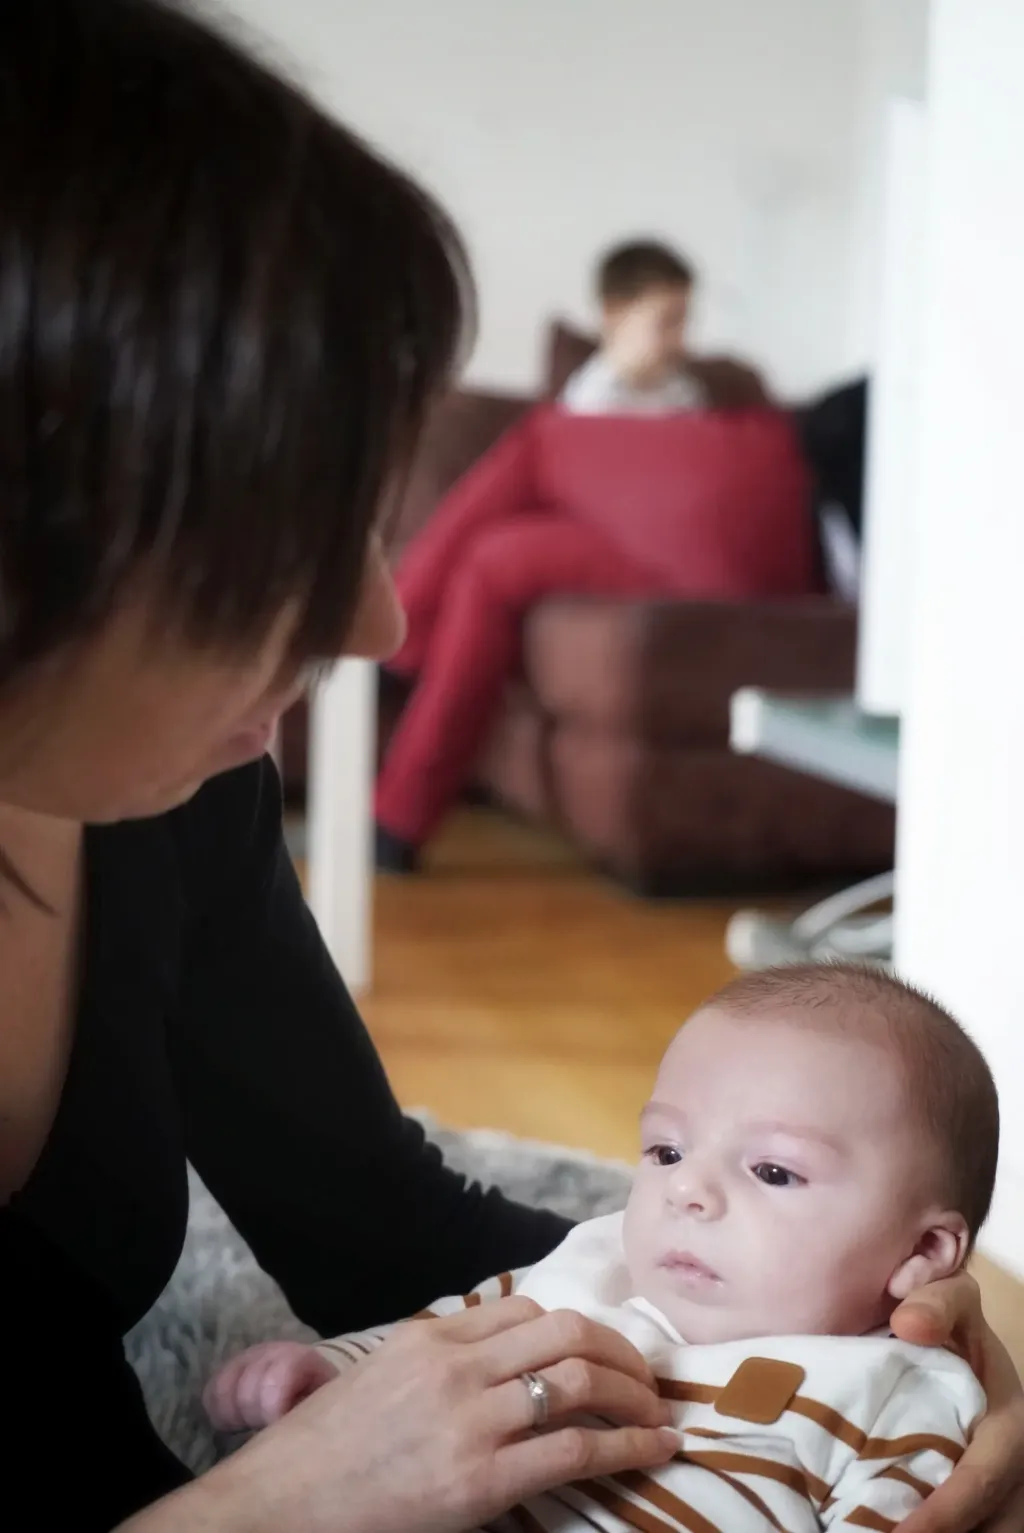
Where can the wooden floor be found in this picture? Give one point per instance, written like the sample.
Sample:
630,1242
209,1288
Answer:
515,990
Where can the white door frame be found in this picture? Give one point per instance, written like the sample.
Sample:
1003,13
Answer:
339,816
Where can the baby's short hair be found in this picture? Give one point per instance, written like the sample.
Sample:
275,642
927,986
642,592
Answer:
949,1083
629,271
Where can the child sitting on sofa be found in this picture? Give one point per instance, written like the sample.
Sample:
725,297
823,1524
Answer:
821,1141
655,475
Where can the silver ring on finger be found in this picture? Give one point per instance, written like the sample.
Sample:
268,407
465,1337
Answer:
540,1398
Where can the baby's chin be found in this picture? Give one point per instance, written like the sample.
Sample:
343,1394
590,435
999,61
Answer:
713,1324
703,1327
704,1315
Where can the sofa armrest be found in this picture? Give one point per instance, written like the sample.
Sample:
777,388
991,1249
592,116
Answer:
666,670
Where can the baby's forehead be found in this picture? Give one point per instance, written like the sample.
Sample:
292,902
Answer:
795,1025
779,1045
856,1112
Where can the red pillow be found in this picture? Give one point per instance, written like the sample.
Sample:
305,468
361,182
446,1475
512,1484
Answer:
715,505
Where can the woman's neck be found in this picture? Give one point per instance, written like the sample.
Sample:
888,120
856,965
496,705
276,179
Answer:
40,921
36,851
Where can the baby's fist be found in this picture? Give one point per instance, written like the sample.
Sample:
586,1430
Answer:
260,1386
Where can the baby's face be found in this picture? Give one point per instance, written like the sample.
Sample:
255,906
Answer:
782,1182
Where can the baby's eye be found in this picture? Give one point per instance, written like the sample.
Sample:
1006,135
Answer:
776,1176
664,1154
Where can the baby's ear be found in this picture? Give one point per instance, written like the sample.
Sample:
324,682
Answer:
941,1249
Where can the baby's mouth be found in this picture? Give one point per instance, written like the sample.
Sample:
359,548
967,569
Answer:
689,1268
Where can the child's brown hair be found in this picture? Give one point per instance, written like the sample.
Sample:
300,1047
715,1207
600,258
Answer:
631,270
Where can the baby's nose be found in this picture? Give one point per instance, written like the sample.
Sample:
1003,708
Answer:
696,1191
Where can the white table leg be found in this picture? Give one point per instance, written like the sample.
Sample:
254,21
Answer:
340,816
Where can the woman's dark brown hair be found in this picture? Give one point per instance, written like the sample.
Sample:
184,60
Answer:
222,318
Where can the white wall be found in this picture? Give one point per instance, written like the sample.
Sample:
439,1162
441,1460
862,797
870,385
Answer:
960,907
884,324
892,480
552,127
893,63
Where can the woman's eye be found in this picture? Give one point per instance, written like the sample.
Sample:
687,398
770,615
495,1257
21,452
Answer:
664,1154
776,1176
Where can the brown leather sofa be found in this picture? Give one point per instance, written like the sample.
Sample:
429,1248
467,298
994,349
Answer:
618,728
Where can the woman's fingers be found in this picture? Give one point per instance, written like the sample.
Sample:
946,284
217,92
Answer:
482,1321
515,1336
577,1387
943,1314
542,1462
552,1338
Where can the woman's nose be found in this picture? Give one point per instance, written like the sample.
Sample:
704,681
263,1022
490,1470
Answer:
695,1190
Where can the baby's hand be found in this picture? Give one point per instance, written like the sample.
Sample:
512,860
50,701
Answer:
260,1386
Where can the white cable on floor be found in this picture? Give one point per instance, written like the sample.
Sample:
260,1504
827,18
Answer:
816,922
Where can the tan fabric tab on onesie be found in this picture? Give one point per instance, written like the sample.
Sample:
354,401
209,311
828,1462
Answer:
760,1391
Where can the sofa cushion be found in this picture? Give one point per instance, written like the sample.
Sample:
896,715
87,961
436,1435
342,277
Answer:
664,672
679,820
713,505
711,814
567,350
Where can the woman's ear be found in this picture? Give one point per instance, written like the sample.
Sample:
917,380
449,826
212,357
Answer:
940,1250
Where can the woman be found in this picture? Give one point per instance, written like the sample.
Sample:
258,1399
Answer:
220,321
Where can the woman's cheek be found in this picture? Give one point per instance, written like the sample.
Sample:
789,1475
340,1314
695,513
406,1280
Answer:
379,627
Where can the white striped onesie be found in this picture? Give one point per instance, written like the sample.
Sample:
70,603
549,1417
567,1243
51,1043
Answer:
786,1434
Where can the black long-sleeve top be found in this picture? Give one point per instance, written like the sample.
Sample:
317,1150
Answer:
212,1027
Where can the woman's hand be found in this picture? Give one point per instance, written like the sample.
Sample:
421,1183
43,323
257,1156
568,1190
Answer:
985,1493
433,1432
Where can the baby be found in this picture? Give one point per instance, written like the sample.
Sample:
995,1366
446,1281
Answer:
821,1141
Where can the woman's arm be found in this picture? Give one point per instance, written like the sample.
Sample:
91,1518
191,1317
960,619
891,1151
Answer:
223,1501
289,1117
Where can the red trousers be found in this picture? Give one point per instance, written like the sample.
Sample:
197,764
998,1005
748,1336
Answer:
467,582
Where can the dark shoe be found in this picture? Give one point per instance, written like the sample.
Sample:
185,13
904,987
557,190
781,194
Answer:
392,690
395,855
